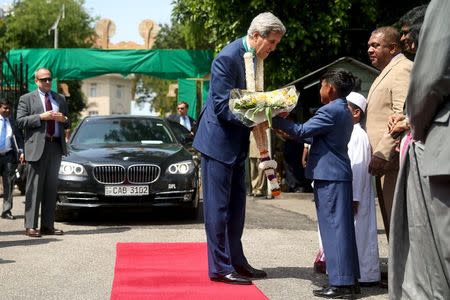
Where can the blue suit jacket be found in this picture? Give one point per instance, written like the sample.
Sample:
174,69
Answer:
220,135
330,129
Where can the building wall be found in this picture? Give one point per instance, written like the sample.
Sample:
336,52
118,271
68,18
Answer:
107,94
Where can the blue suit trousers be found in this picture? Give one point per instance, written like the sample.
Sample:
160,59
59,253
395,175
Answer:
224,198
336,223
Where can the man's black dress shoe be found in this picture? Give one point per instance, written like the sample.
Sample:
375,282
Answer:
8,216
250,272
336,292
51,231
232,278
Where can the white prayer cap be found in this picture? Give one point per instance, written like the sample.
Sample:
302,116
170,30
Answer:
358,99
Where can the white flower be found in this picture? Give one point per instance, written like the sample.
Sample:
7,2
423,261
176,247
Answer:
268,164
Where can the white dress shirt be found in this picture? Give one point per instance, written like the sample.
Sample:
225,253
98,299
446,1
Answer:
184,120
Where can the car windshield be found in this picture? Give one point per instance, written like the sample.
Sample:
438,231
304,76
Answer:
122,131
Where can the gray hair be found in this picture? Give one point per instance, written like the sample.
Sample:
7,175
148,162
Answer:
265,23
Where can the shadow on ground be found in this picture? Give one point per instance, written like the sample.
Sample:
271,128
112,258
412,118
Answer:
26,241
132,217
317,279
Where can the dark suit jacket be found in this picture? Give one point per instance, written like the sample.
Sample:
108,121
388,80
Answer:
28,111
428,100
330,129
220,135
176,118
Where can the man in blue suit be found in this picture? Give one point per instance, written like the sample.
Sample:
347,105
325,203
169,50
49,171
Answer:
224,142
329,132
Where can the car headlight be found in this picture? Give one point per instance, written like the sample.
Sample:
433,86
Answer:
68,168
183,167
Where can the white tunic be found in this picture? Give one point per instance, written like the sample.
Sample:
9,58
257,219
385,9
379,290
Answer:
365,220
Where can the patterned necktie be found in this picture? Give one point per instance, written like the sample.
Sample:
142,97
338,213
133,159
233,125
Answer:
50,123
3,136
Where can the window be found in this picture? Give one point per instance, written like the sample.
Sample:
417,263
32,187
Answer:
93,90
119,91
123,130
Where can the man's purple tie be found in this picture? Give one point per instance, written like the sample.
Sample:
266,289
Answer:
50,123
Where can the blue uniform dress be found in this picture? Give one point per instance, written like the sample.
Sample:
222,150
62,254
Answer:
329,132
223,141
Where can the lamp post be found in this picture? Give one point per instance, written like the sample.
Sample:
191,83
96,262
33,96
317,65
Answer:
55,25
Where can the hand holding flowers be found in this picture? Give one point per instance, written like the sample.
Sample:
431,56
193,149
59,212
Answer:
253,108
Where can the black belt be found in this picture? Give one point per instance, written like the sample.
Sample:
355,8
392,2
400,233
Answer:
53,139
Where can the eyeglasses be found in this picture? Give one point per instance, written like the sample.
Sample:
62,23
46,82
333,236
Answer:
181,108
46,79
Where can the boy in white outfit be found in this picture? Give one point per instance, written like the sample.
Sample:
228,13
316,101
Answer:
363,197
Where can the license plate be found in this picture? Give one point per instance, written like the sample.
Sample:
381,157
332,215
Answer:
126,190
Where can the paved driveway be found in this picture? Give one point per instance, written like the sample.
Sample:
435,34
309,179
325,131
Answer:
280,237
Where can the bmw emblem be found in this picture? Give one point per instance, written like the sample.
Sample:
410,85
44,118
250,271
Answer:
126,158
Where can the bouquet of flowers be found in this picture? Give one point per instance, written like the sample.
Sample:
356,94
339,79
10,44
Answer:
253,108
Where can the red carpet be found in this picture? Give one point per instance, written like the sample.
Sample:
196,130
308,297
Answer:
170,271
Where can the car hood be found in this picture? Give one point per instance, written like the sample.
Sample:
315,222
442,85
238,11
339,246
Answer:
133,154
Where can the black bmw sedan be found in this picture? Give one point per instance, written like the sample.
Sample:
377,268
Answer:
128,161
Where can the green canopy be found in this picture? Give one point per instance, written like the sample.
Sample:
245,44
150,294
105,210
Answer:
187,92
77,63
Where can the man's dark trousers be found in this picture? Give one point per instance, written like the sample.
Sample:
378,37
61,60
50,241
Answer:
224,191
8,164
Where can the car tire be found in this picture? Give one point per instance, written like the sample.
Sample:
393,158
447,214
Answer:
193,213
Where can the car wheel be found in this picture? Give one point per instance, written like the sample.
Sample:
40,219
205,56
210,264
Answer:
193,212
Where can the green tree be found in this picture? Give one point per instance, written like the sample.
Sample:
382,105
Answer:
76,101
154,90
318,32
28,24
